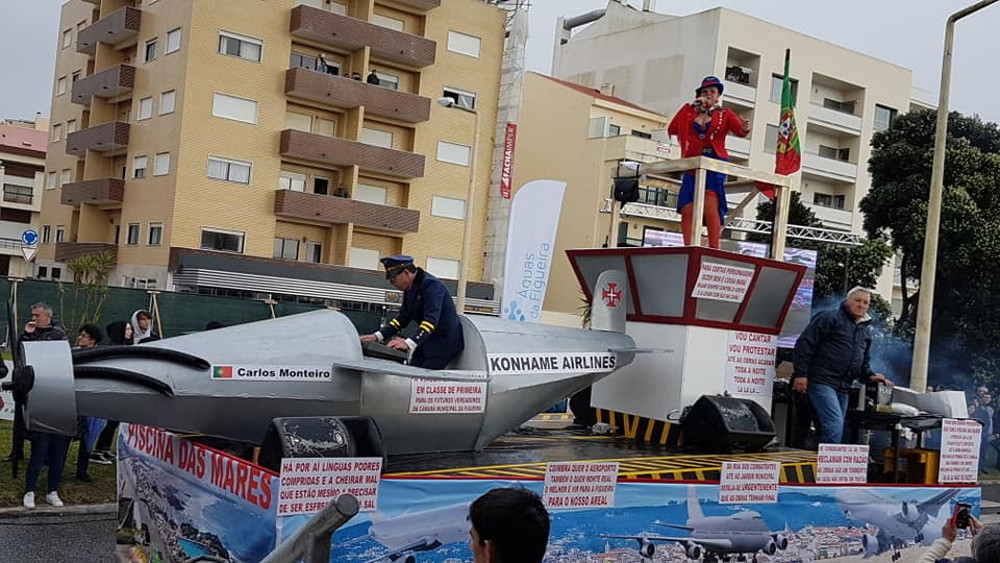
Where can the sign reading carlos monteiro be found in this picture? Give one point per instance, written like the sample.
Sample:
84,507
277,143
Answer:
271,373
552,362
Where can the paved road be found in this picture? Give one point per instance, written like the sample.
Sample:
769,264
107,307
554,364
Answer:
65,537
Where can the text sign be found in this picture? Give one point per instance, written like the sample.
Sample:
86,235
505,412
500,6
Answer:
270,373
580,485
750,360
308,484
960,440
722,282
429,396
749,482
507,164
842,464
553,362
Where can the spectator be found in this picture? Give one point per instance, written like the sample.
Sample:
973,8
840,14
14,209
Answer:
88,428
323,66
373,78
508,526
119,334
979,411
985,544
832,352
142,327
355,76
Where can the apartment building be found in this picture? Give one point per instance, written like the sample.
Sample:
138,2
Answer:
271,149
22,175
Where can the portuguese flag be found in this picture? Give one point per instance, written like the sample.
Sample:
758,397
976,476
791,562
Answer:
788,157
222,372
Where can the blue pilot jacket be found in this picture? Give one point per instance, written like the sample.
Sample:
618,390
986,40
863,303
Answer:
439,333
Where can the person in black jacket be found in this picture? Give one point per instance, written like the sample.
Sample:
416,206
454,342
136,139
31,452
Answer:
426,300
832,352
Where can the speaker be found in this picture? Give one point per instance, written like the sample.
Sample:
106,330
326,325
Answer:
320,436
719,423
626,189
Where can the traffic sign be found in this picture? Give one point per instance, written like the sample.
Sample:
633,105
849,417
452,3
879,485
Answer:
29,237
29,252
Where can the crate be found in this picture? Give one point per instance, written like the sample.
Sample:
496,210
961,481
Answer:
921,464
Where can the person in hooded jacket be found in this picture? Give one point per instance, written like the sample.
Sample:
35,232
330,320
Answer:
142,327
119,334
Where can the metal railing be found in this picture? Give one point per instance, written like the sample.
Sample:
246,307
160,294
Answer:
312,542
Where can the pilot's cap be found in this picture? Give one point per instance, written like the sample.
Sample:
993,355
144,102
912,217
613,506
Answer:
395,264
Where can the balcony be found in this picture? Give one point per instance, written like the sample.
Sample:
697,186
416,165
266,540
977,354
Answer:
340,210
115,29
738,147
105,191
832,217
630,147
69,251
107,137
352,34
740,94
834,121
342,92
110,83
342,152
829,168
420,4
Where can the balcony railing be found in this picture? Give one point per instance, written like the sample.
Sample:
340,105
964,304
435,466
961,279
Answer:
832,217
110,83
342,152
829,167
341,210
69,251
111,136
835,119
342,92
18,194
742,94
352,34
114,29
103,191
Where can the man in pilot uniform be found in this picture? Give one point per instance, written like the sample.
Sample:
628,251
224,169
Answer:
426,301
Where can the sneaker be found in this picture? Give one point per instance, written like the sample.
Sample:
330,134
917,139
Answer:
53,499
29,500
100,458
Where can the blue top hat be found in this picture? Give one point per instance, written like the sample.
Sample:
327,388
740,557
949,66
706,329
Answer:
395,264
708,82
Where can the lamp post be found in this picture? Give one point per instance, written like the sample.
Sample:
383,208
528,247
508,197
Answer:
470,201
922,338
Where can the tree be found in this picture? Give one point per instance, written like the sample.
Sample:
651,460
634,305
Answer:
90,284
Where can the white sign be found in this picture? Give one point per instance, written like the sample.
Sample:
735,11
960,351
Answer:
749,482
29,252
750,358
842,464
271,373
429,396
722,282
6,405
580,485
553,362
960,440
308,484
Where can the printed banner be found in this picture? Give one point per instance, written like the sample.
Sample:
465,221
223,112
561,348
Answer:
308,484
554,362
429,396
845,464
749,481
960,446
507,165
580,484
722,282
750,363
531,240
271,373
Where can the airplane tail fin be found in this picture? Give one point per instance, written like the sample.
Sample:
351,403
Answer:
694,509
609,302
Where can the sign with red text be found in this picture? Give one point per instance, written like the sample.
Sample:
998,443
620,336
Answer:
580,485
507,165
722,282
750,358
308,484
960,440
842,464
749,482
429,396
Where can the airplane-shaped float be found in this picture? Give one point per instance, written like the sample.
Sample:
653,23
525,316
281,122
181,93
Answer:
715,537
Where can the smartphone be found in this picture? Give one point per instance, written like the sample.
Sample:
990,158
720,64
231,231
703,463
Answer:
960,516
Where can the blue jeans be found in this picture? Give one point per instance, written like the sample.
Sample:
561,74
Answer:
830,409
51,447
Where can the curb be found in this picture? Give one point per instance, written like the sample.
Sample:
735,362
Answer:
77,509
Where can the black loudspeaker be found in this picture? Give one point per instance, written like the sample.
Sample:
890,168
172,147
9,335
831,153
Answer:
320,436
718,423
626,189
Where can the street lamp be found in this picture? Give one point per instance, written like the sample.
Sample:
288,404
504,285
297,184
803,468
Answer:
922,338
470,200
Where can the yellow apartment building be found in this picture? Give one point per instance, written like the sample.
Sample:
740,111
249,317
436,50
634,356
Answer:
271,149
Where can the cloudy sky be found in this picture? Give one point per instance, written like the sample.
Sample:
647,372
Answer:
909,33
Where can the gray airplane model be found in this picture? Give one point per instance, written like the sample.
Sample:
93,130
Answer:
233,382
715,537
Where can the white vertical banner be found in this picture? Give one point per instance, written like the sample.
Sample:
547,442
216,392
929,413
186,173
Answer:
531,242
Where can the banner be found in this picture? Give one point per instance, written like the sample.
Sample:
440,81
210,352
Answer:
507,164
534,217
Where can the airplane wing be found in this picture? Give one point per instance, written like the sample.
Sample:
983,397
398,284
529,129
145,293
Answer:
675,526
934,504
705,543
413,372
425,543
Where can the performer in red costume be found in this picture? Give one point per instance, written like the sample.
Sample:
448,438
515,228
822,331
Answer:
701,127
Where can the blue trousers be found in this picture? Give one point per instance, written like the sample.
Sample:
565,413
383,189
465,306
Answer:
51,447
830,409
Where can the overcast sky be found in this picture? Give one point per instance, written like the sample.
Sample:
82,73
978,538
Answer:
908,33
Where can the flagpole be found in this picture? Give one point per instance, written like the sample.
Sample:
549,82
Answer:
782,198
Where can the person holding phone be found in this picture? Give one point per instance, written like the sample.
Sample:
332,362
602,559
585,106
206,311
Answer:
985,544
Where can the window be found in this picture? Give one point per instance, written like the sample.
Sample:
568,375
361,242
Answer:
614,130
385,21
314,252
67,176
771,139
777,82
834,153
376,137
298,122
145,109
229,170
464,44
18,194
173,41
454,153
42,272
155,234
237,109
80,26
321,185
161,164
56,132
229,241
139,166
443,268
390,81
738,74
132,233
56,273
308,62
60,233
371,194
167,101
462,98
46,234
292,181
150,50
15,215
324,127
364,258
827,200
884,116
641,134
286,248
338,8
50,181
240,46
60,85
448,207
70,126
75,76
67,38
